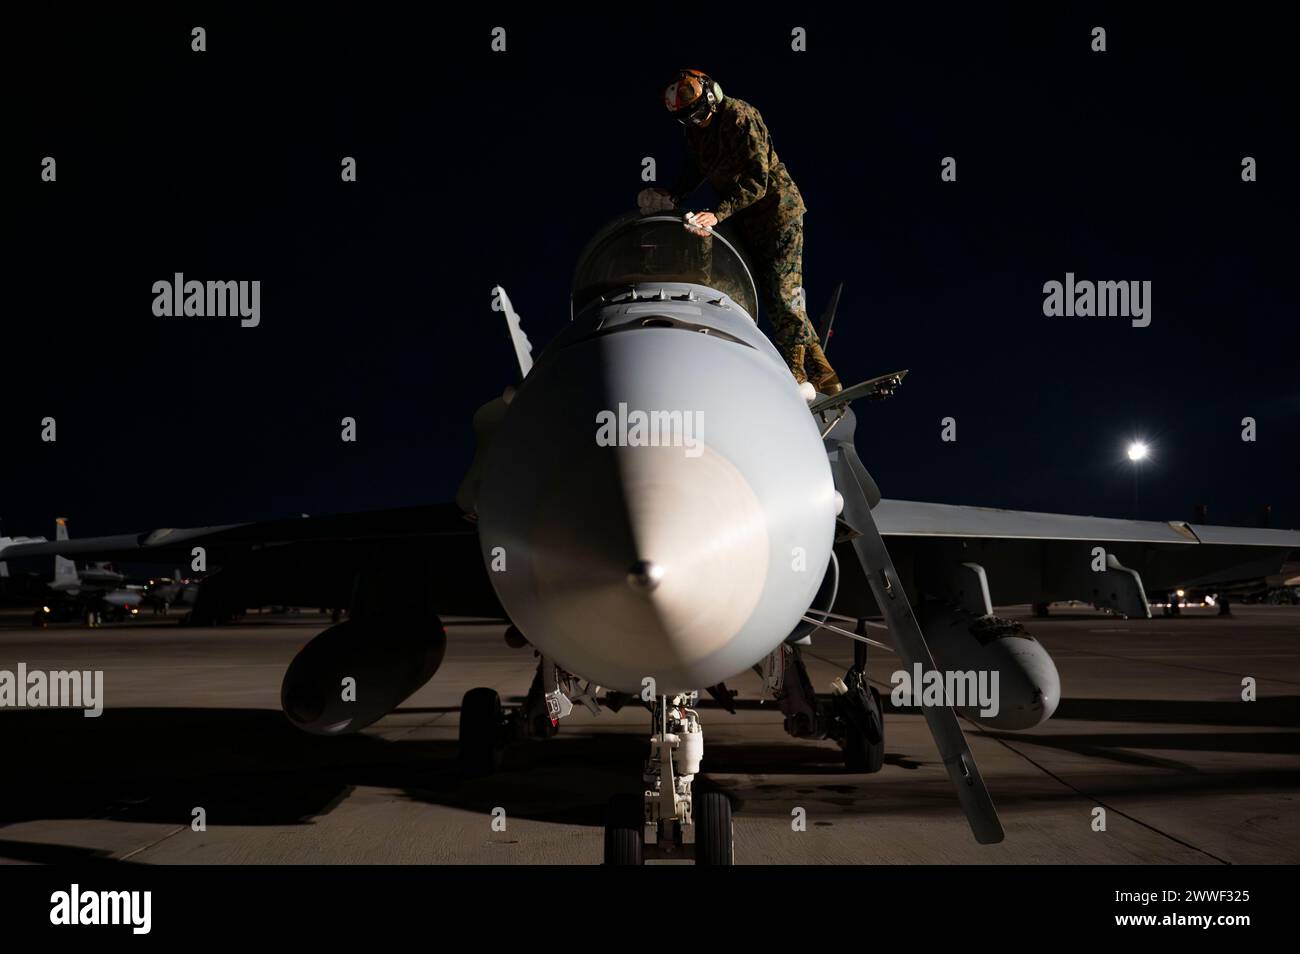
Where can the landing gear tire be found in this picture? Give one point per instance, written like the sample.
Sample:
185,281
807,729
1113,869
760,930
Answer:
714,834
534,718
625,830
544,728
865,751
482,722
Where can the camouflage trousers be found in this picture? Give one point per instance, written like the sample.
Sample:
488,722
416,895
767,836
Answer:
776,255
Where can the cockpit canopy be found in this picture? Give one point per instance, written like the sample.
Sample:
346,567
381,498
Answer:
638,250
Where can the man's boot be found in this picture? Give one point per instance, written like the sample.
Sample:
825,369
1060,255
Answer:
820,372
795,358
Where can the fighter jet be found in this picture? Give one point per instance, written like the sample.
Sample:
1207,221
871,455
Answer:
656,507
90,590
166,593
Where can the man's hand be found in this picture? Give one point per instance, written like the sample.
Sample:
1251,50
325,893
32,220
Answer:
699,223
650,201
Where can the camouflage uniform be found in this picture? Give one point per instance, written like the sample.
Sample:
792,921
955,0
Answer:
734,153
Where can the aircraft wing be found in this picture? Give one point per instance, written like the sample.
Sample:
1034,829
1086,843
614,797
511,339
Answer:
428,552
910,518
1026,557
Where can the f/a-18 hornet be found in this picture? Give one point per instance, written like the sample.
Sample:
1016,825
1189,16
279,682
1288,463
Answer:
656,507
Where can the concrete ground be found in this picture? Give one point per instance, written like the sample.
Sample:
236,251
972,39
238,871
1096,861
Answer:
1151,728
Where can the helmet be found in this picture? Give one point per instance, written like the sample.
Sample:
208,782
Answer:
692,97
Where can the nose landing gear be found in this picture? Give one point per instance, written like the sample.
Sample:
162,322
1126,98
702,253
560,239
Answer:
679,823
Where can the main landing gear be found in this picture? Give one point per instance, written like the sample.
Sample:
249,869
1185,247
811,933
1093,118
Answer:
486,727
852,715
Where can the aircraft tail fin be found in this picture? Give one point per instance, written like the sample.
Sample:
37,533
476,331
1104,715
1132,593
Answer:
523,348
828,318
65,571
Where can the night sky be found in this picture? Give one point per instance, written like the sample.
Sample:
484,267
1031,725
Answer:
476,168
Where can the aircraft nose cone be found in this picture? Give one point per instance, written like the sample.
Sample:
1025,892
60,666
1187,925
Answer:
640,522
606,608
644,575
628,563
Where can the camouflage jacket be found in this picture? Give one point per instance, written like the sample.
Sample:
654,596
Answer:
735,154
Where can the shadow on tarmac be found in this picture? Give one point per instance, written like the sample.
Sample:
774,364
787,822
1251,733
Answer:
252,767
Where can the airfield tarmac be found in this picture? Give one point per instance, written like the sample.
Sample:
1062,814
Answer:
1151,727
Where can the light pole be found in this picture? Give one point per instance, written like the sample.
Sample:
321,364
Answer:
1137,453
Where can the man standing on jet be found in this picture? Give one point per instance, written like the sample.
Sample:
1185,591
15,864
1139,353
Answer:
727,143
